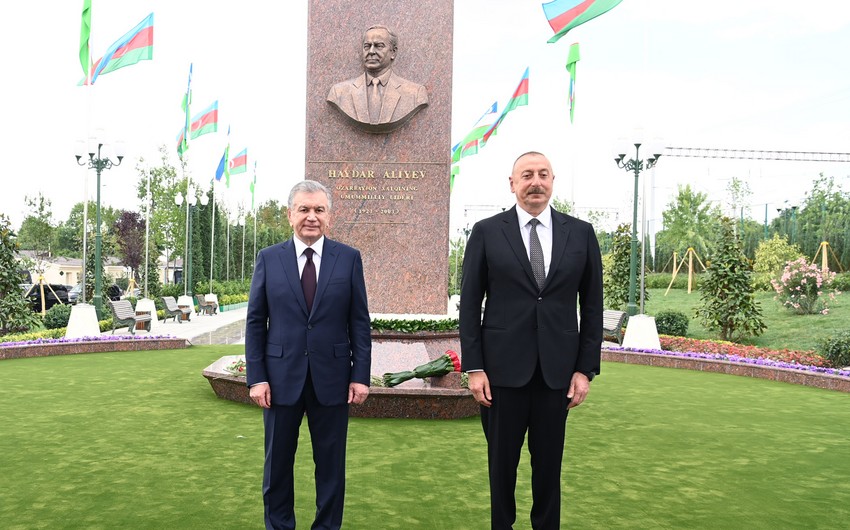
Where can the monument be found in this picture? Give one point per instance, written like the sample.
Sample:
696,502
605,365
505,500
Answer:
385,157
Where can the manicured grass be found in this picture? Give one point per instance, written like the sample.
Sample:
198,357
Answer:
139,440
784,328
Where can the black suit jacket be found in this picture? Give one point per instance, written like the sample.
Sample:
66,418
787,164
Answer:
281,339
523,325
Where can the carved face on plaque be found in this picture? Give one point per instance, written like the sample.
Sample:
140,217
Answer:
378,100
379,51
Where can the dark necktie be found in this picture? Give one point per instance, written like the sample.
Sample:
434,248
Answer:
308,279
536,255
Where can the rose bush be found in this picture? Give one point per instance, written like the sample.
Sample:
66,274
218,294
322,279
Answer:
803,288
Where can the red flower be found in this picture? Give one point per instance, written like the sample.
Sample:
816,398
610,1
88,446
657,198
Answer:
455,359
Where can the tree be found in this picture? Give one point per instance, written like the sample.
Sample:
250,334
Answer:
617,270
37,228
15,313
562,206
130,241
728,305
689,221
456,249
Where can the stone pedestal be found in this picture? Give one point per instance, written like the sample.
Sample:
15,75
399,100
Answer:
432,398
83,322
641,333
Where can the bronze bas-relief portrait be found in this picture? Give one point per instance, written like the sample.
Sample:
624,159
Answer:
378,101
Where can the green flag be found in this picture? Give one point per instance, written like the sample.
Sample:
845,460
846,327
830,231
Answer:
572,59
85,33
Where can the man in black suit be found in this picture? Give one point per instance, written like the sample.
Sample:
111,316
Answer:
528,360
308,350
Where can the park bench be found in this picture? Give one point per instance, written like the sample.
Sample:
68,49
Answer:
612,324
209,307
173,310
123,315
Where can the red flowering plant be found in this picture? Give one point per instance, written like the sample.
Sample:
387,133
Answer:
682,344
238,367
447,363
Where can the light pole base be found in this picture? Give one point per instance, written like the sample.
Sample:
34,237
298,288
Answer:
83,322
641,333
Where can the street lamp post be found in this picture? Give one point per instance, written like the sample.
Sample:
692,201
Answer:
191,200
98,162
635,165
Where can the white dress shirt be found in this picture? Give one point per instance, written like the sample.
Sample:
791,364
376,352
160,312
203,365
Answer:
544,233
317,247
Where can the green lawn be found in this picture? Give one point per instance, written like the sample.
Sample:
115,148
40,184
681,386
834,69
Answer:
784,328
139,440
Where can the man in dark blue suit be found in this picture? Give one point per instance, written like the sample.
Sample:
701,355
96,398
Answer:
308,350
528,360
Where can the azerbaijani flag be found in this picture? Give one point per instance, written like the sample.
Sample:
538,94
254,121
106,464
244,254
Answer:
564,15
136,45
519,98
469,145
239,163
205,121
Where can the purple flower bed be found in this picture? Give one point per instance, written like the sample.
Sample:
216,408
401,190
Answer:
740,360
95,338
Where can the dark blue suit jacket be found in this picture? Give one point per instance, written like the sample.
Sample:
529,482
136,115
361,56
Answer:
282,340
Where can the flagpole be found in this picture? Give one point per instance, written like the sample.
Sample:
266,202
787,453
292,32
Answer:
212,238
147,228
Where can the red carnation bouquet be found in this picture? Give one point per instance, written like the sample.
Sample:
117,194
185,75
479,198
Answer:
447,363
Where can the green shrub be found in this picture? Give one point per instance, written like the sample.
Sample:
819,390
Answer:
836,349
672,323
761,281
772,255
232,299
57,316
841,282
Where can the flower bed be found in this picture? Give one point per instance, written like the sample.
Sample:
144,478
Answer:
682,344
732,364
94,344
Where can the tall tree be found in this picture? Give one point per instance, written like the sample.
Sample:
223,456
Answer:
36,231
15,313
690,220
130,241
728,305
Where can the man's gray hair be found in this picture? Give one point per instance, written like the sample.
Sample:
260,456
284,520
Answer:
393,37
309,186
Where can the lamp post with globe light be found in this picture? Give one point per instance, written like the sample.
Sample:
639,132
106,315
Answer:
98,160
636,165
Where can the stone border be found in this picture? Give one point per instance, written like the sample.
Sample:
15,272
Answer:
785,375
95,346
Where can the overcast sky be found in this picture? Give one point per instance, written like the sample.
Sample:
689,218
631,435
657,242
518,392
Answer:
760,74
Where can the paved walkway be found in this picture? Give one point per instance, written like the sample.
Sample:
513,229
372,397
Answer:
222,328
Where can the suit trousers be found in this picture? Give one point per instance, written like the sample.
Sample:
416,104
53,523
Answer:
542,412
328,432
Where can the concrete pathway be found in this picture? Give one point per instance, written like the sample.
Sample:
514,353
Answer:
226,327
